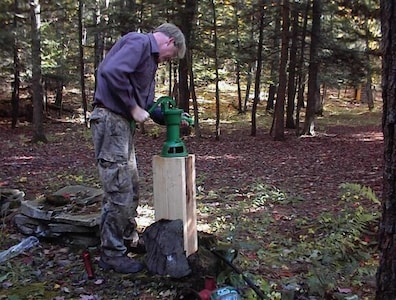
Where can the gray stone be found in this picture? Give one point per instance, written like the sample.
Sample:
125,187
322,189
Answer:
85,240
27,225
11,195
88,220
36,210
10,200
66,228
81,194
71,215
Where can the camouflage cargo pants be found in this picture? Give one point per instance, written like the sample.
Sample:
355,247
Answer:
116,162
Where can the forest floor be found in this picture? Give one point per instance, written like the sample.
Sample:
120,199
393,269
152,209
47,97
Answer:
279,203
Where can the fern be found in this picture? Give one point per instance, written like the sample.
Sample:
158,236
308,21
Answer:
363,191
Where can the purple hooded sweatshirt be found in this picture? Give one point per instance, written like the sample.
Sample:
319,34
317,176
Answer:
126,76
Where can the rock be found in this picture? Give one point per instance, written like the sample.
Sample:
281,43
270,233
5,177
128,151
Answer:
29,226
71,215
10,199
36,210
80,194
65,228
88,220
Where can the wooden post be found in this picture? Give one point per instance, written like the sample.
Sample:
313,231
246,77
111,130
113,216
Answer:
175,196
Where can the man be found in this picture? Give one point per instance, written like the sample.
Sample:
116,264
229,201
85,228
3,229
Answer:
124,93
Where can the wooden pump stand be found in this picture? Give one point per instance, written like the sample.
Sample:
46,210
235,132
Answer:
175,196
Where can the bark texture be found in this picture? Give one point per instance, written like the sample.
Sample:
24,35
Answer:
386,283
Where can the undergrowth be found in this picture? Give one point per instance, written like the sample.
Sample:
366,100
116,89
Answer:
328,255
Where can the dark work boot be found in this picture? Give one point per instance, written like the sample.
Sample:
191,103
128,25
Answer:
136,247
120,264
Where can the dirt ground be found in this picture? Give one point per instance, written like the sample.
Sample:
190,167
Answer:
345,149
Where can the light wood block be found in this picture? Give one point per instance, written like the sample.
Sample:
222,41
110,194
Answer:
175,195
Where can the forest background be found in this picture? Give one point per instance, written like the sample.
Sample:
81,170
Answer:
277,64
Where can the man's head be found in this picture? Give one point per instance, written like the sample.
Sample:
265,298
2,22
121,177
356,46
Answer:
171,42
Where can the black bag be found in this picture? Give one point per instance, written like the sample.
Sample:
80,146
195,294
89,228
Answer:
164,244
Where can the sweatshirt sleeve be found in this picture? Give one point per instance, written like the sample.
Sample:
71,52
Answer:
157,116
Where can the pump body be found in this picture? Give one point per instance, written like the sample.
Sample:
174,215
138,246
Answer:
173,146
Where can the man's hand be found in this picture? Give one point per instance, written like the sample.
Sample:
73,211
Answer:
139,114
186,120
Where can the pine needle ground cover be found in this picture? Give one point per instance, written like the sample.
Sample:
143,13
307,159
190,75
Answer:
302,213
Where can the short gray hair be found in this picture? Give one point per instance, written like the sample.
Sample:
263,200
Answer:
172,31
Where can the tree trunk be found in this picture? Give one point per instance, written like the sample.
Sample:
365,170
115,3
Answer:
291,84
238,63
271,96
194,98
98,38
38,128
278,130
174,88
301,71
186,16
15,87
216,70
127,19
368,92
249,78
81,59
60,62
251,63
313,70
386,274
275,56
258,71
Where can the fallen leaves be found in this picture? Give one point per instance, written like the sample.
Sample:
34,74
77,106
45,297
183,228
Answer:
309,171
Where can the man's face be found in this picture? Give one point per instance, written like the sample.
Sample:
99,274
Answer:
168,51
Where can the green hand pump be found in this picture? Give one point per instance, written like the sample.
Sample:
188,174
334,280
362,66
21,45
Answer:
173,146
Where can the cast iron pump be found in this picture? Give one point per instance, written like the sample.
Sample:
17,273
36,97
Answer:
173,146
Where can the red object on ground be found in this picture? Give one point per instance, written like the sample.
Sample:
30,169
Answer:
210,286
86,256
